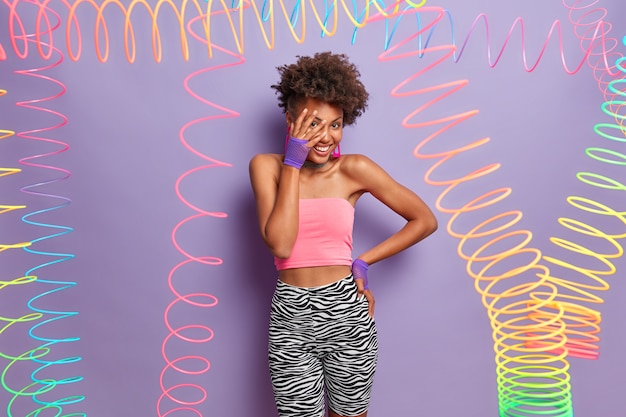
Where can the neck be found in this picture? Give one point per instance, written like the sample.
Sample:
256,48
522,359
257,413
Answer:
313,165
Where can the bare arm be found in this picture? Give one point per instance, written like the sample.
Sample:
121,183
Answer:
276,189
420,220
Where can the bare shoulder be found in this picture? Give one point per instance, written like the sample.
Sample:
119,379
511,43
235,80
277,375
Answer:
265,163
356,161
265,175
362,169
266,158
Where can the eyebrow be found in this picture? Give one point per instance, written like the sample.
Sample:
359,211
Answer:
338,118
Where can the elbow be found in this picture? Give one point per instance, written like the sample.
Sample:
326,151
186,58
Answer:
280,251
424,227
281,254
432,225
279,243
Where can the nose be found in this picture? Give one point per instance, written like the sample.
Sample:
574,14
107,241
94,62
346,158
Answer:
325,130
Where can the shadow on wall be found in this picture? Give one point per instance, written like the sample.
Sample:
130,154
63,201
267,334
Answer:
257,281
257,278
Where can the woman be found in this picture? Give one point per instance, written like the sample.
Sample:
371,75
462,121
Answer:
322,337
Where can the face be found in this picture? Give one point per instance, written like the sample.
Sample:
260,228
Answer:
334,127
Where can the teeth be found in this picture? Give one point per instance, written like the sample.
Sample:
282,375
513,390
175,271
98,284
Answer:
322,148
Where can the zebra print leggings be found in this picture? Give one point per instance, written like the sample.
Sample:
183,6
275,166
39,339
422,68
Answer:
321,340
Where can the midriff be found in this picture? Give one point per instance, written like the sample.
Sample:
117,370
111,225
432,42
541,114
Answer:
314,276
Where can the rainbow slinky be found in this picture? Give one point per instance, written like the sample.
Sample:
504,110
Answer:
540,307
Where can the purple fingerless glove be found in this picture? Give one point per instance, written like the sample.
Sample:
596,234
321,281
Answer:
296,152
359,271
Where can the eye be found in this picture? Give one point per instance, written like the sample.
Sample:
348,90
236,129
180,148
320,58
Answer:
336,125
313,124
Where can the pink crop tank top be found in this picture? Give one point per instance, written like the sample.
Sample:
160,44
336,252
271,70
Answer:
324,234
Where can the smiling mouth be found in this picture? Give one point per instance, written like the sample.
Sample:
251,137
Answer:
322,148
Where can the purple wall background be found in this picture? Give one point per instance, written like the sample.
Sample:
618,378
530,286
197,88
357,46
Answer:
125,157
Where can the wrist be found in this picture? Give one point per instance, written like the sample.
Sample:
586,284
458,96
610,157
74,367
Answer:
359,271
360,263
296,152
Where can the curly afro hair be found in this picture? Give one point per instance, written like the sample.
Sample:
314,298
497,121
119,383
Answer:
327,77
